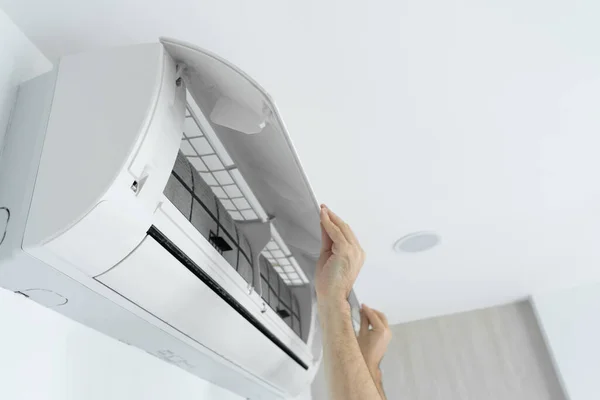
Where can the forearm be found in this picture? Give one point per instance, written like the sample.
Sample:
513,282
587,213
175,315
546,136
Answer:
376,375
349,376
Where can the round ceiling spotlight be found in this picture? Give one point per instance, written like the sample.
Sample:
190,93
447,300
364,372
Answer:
417,242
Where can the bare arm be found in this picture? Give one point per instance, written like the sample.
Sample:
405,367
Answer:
347,373
373,340
341,259
379,384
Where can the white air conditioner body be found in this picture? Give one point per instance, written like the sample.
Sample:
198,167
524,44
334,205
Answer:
90,233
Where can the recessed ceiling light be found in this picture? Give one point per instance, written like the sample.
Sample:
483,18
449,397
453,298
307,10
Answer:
417,242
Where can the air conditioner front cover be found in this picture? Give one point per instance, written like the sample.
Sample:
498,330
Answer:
263,151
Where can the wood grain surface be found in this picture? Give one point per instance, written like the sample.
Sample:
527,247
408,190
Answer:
492,354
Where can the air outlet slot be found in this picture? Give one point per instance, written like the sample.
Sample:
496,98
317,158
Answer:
180,256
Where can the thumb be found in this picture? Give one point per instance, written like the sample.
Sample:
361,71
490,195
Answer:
326,242
364,322
374,319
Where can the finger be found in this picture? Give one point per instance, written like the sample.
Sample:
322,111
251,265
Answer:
364,322
334,233
374,319
383,318
344,227
326,241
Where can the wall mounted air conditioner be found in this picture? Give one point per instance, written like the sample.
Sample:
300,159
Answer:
151,192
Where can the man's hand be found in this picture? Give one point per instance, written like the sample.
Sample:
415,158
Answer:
373,338
340,261
338,266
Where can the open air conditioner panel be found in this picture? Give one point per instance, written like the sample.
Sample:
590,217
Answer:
191,195
205,154
261,155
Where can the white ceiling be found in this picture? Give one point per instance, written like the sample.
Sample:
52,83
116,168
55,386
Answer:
477,119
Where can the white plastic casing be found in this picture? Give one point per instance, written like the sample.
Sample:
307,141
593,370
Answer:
86,188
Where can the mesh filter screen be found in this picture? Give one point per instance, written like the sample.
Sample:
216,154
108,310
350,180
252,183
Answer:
284,263
191,195
279,296
219,172
217,175
195,200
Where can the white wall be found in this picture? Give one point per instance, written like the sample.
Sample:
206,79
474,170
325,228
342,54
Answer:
570,320
20,60
44,355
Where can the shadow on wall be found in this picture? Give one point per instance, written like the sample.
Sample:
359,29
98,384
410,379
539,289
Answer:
21,61
67,360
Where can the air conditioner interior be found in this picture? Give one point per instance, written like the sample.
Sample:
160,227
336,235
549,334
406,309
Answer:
279,297
215,200
195,200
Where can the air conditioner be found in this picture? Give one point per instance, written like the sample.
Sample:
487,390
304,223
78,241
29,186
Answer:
151,192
